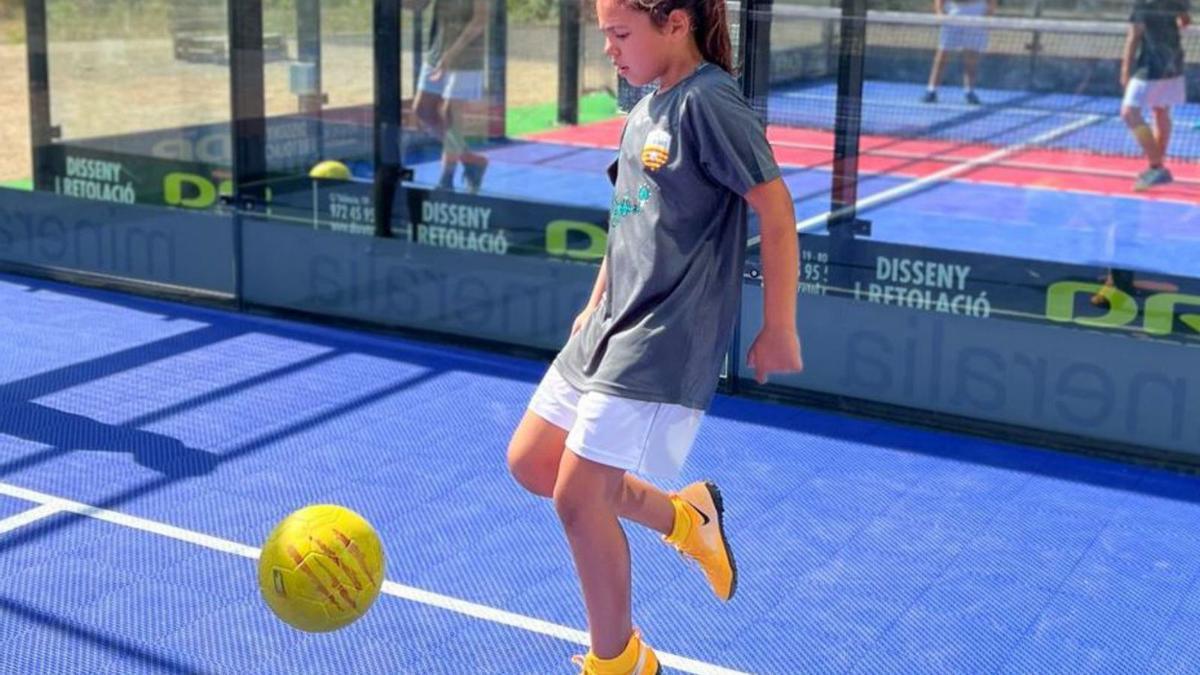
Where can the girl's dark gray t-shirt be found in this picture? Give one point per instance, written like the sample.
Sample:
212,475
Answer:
676,246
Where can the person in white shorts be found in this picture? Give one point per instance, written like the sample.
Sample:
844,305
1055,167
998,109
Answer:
452,75
970,41
627,392
1152,75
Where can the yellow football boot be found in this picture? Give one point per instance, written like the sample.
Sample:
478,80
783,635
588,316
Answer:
700,534
637,659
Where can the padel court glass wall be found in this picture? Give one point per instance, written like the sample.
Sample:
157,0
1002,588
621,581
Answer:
977,260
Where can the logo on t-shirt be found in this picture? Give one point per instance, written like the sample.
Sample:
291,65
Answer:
657,149
627,206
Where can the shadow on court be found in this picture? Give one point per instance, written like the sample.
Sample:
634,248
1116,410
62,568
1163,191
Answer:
64,432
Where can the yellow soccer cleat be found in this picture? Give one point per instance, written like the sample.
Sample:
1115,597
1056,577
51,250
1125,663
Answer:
700,534
637,659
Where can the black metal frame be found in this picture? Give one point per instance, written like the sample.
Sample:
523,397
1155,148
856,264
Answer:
388,112
308,50
754,57
418,42
569,33
42,132
753,65
497,55
247,100
847,131
248,120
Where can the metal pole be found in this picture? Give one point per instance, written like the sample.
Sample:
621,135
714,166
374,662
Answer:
41,132
753,55
308,30
754,47
387,112
249,128
497,55
568,62
848,121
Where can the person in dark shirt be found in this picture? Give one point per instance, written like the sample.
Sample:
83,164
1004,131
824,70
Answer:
451,75
1152,75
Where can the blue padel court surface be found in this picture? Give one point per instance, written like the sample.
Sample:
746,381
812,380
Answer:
1005,117
141,466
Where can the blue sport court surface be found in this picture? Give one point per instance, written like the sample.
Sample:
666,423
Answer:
141,467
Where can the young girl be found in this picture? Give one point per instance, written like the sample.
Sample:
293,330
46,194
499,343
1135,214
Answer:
627,392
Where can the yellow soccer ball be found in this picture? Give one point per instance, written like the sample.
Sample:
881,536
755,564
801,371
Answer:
330,169
321,568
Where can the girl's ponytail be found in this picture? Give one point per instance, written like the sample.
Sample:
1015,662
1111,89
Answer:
712,33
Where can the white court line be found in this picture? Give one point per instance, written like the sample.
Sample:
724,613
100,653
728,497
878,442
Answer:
818,221
982,110
26,517
49,505
945,159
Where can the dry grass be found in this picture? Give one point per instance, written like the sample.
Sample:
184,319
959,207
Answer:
15,160
109,87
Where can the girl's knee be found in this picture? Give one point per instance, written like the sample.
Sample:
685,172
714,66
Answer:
582,493
531,472
572,505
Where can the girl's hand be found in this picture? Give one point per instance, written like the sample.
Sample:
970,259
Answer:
582,319
775,350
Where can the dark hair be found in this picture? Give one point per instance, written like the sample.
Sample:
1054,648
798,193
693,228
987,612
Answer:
708,20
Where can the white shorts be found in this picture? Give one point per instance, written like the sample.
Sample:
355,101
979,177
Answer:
1141,93
964,38
460,85
639,436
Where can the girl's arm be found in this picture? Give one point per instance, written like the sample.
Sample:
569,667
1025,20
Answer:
1131,42
780,252
777,347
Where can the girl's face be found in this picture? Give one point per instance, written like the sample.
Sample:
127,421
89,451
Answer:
637,47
